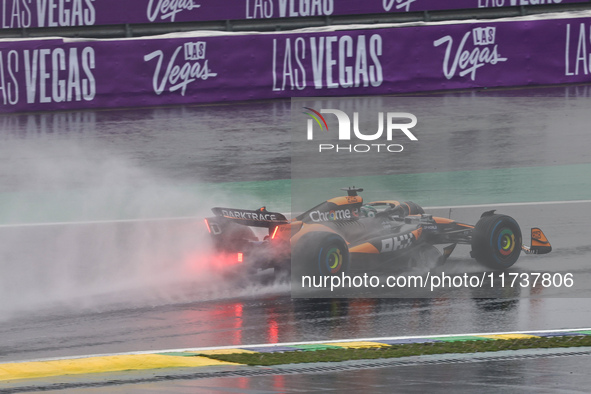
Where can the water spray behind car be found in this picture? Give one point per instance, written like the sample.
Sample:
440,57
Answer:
91,229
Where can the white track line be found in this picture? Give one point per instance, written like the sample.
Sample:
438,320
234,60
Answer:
202,349
512,204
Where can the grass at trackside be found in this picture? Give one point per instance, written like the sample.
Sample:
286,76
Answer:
394,351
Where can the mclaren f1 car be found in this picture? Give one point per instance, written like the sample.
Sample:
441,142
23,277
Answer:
338,234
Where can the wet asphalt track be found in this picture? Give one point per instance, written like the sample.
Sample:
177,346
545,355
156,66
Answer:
197,314
114,298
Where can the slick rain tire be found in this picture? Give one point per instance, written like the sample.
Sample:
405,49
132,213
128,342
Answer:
322,254
496,241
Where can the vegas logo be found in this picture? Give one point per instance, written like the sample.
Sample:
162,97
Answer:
178,76
168,9
467,61
400,4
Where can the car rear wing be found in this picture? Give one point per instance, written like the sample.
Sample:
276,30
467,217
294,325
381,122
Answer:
539,243
259,218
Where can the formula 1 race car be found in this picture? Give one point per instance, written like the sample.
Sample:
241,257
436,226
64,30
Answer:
342,232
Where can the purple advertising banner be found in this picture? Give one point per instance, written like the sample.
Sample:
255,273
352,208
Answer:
54,74
19,14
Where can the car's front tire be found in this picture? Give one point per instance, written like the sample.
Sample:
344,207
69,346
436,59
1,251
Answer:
496,241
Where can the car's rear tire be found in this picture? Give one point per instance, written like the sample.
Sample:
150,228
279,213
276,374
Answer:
321,254
496,241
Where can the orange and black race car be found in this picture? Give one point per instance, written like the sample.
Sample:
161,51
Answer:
344,232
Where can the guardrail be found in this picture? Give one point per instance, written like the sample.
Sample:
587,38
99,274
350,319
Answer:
134,18
66,74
